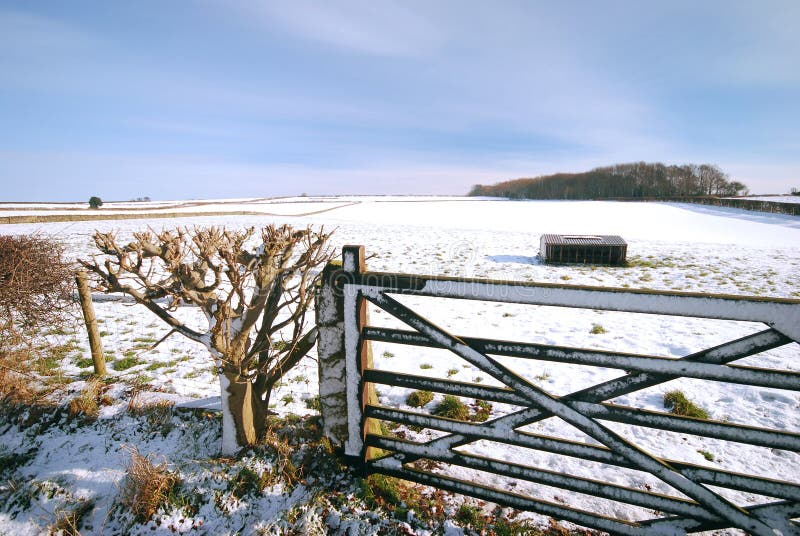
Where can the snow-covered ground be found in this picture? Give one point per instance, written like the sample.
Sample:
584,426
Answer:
672,246
776,198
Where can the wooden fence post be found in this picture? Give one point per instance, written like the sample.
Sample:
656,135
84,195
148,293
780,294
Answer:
343,355
353,262
329,312
95,344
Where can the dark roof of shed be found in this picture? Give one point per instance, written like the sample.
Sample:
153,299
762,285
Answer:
583,240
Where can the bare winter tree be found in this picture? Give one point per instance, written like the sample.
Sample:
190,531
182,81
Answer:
255,302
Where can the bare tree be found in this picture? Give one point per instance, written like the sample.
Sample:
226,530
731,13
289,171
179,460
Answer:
255,302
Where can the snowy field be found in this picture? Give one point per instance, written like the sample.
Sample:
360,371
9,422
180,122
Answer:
671,246
776,198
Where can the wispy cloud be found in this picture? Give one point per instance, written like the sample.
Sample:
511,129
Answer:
453,92
385,28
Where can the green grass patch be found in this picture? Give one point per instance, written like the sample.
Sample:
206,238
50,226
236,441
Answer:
84,362
417,399
597,329
314,403
126,362
481,410
707,455
249,482
470,517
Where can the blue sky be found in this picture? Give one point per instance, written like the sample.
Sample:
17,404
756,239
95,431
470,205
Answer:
205,99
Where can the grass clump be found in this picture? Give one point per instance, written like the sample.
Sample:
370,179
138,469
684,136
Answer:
248,481
481,410
126,362
68,520
597,329
87,401
707,455
158,414
314,403
471,517
16,386
147,487
84,362
451,407
417,399
399,497
426,366
677,403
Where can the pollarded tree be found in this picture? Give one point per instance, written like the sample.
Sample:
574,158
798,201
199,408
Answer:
255,302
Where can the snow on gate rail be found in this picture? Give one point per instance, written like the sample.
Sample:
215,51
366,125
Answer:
351,411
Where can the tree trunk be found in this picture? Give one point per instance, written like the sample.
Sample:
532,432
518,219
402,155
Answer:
95,343
243,417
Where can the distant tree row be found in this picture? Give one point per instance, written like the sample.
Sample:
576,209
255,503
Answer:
639,179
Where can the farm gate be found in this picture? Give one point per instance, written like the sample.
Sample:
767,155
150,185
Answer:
351,411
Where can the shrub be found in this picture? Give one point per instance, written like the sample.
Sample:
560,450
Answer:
36,285
95,202
147,486
417,399
677,403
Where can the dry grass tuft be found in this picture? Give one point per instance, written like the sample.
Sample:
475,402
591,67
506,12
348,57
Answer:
68,520
285,469
158,414
147,486
87,402
16,386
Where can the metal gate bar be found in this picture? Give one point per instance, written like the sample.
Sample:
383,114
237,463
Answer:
704,509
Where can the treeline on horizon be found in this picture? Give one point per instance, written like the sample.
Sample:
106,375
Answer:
638,179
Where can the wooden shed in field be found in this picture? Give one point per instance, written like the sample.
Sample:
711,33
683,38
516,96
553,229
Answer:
583,249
